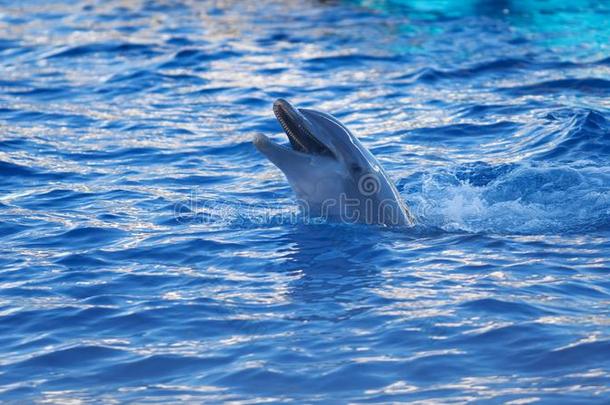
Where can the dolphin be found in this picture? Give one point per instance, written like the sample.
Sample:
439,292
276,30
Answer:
332,174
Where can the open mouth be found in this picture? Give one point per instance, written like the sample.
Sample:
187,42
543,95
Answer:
295,126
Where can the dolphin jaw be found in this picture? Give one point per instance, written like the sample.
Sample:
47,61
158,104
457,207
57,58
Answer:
284,157
297,129
270,148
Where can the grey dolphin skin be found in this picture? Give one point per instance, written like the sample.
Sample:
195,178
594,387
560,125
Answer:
332,174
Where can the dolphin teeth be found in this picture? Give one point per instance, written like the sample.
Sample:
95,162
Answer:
294,140
300,137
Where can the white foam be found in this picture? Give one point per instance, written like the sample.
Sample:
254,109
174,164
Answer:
528,200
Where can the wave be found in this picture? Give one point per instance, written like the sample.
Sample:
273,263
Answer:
515,199
109,48
193,58
562,135
502,66
588,85
586,135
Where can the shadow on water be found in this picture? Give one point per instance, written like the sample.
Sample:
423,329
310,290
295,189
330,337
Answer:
334,261
337,263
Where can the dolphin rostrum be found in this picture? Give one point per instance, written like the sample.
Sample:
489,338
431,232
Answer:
332,174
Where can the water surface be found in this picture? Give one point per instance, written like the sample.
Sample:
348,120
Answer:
149,252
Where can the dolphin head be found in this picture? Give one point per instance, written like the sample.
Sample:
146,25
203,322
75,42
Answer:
329,169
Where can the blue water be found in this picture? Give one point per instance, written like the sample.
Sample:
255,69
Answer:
149,253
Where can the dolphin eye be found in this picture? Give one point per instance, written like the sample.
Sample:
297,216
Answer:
355,169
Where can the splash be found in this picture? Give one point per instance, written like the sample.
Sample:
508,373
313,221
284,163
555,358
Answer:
520,199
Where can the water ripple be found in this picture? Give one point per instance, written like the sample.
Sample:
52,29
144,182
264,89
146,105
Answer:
150,254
